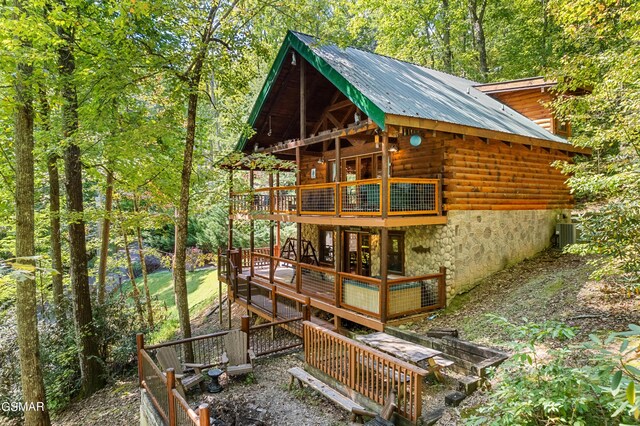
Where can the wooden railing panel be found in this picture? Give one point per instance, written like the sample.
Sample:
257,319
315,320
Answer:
361,197
317,199
365,370
318,281
155,383
360,294
413,295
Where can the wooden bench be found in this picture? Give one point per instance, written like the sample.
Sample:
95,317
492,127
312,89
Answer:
302,376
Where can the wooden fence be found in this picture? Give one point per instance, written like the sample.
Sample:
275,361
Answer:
264,340
365,370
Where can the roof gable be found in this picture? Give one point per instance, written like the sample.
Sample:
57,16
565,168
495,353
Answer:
380,85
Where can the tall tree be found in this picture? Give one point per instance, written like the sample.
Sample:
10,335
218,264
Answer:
90,367
477,9
55,239
30,370
143,264
104,237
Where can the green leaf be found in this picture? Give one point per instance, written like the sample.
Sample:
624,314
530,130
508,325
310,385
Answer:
615,380
631,393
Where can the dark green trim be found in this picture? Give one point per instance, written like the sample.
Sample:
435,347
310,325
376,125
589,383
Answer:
374,112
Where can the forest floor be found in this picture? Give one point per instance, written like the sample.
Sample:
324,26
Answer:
550,286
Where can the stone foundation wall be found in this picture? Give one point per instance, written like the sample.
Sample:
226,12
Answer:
487,241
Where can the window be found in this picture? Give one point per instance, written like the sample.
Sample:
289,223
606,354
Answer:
326,246
396,253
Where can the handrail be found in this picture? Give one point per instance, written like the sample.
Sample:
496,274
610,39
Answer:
405,196
369,280
365,370
187,340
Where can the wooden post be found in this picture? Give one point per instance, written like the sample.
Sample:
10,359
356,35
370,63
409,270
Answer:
272,264
385,174
338,194
252,228
230,243
249,291
337,261
442,287
306,314
203,415
274,303
384,264
303,101
278,248
245,327
140,345
298,277
171,384
438,194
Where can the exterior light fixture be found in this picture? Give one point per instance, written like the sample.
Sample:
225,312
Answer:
293,59
255,147
321,160
356,117
415,140
394,147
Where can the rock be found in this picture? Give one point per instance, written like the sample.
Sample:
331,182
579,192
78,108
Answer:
454,399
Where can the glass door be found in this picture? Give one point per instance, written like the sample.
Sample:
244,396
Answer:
357,253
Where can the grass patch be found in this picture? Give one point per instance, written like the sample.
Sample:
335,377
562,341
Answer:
202,289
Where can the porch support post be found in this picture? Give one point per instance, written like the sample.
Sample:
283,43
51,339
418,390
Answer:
385,174
271,239
338,195
230,236
278,243
337,259
252,227
384,268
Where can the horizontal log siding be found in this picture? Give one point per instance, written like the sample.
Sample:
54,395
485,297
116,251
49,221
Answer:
531,104
495,176
423,161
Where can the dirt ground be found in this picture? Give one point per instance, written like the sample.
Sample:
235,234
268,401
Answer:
551,286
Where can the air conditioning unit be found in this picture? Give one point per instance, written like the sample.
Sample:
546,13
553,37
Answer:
565,234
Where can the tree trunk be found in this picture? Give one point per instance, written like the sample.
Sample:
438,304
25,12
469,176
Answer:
104,244
132,277
182,216
90,367
477,26
30,371
54,216
446,37
147,293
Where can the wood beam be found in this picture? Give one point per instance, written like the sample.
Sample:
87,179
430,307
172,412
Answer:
347,131
423,123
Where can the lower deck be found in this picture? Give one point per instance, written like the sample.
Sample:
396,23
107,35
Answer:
277,288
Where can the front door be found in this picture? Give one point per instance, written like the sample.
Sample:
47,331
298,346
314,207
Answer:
357,253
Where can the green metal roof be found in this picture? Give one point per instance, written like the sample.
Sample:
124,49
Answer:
381,85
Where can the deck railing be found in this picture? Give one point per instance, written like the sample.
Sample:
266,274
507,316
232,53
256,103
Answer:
404,296
264,340
365,370
361,197
355,198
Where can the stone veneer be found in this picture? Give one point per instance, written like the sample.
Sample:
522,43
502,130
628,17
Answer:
472,245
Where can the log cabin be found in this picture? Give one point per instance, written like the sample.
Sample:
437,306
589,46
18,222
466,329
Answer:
410,185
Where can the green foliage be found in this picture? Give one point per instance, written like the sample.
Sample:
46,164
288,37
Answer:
548,382
601,43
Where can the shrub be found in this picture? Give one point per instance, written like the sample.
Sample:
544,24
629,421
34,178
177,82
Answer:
531,391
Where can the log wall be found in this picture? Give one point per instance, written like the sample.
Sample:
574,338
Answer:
531,104
493,175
